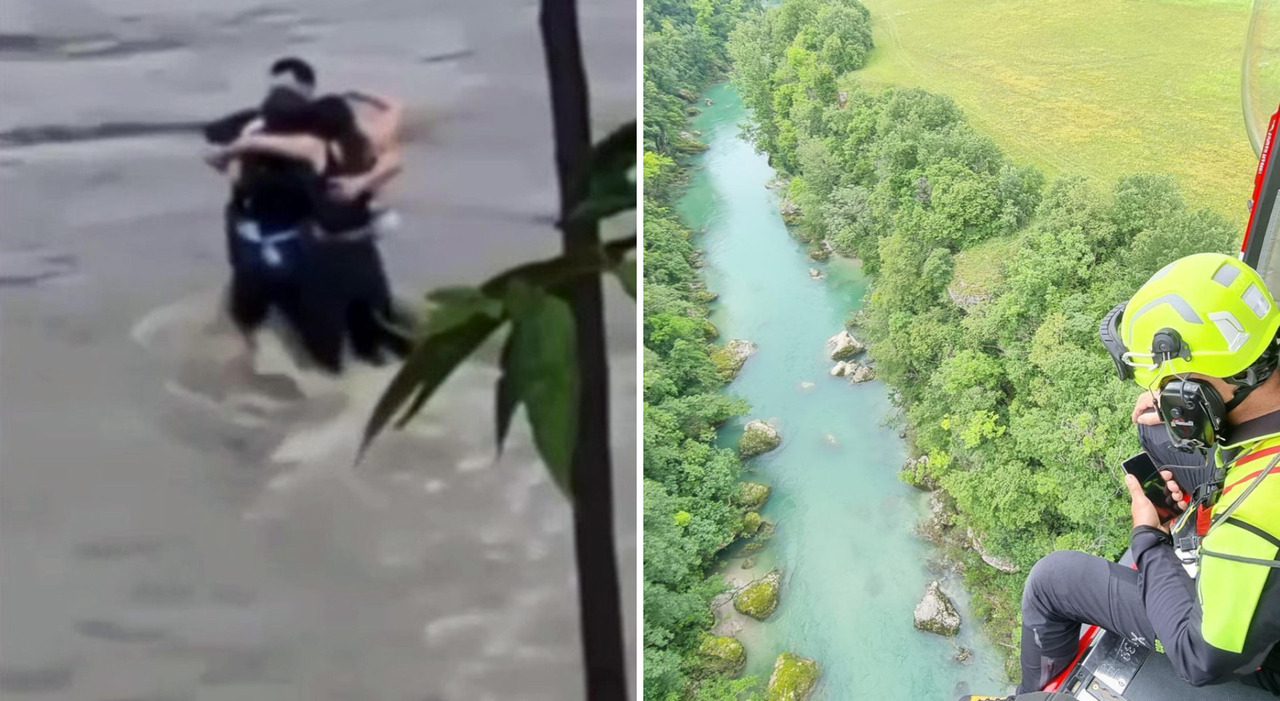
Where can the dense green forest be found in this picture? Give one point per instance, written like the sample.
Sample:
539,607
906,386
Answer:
988,286
690,507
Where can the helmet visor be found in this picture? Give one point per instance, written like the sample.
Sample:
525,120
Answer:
1109,332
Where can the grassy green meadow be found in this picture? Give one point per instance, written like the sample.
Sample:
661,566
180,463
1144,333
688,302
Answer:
1096,87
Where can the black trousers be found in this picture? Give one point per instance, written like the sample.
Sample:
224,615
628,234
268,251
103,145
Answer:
327,291
347,285
1065,590
257,288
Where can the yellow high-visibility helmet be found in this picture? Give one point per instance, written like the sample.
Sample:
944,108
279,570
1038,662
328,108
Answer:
1207,313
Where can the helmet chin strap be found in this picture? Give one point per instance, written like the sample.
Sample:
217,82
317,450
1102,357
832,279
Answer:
1255,375
1242,392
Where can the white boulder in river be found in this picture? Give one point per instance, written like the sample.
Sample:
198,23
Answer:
852,369
935,613
758,437
844,346
861,373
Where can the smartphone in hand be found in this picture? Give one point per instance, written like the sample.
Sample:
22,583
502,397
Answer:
1148,474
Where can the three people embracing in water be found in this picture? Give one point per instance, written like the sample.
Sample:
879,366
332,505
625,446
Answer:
302,221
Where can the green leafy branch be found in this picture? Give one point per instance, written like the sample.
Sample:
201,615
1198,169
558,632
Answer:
539,359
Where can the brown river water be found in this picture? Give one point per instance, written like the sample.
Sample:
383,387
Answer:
174,527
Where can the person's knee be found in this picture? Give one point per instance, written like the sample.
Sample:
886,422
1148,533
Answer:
1047,575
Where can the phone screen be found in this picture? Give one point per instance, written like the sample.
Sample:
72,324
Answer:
1148,474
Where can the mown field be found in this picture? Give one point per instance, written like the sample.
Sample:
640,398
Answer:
1098,87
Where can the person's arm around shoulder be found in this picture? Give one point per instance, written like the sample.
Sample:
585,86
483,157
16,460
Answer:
385,169
296,146
227,129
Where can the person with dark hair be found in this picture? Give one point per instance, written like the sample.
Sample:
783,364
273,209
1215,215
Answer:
268,222
292,82
345,288
290,73
348,255
294,73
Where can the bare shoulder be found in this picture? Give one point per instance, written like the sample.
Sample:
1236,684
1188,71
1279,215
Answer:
380,120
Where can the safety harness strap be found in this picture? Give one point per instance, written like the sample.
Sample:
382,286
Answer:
1254,530
1243,525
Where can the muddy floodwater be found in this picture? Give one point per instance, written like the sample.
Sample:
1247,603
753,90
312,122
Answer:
176,525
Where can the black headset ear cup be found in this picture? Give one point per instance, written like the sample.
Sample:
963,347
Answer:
1216,405
1193,411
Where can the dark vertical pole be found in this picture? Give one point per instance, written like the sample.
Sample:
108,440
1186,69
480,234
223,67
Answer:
599,596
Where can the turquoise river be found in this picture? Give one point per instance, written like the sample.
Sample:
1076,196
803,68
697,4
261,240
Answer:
854,570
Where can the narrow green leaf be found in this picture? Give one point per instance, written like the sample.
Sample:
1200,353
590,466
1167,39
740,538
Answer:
426,368
455,295
619,145
457,306
450,350
603,204
419,400
610,177
543,369
507,401
554,272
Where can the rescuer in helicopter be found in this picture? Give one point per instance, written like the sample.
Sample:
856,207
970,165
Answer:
1200,337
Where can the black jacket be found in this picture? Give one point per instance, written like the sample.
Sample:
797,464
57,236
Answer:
1173,599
